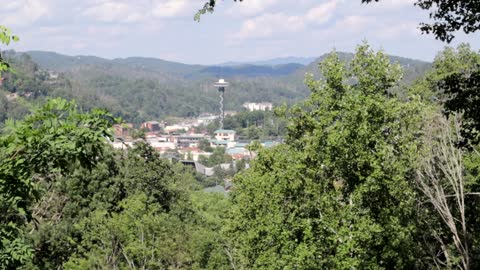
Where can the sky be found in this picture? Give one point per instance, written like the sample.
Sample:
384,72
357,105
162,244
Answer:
237,31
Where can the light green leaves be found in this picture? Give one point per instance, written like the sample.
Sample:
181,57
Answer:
5,37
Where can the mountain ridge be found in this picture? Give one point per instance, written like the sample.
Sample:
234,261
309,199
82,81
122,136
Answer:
139,88
60,62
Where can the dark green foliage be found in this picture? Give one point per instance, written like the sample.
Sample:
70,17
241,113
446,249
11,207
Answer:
453,83
472,167
462,90
50,142
339,194
204,145
218,157
132,209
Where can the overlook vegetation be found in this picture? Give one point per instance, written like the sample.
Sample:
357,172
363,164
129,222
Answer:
379,169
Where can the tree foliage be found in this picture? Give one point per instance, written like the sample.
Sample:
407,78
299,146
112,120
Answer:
453,83
5,38
52,141
339,193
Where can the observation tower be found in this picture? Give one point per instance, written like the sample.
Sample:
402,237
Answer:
221,85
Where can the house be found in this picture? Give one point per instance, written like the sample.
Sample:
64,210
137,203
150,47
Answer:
175,128
263,106
190,140
237,153
122,130
225,135
152,126
194,152
162,147
218,143
206,118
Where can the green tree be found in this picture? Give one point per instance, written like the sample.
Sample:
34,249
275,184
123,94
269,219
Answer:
204,145
339,194
218,157
161,221
5,38
52,141
453,83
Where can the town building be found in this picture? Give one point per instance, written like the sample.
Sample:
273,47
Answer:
263,106
192,153
225,135
122,130
190,140
152,126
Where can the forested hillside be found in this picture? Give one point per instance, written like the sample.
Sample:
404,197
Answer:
139,89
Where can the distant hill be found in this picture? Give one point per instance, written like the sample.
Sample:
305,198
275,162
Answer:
157,67
63,63
275,61
59,62
139,89
252,70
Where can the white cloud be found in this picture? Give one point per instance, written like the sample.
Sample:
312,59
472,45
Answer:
141,10
267,25
169,8
113,11
391,4
23,12
322,13
271,24
251,7
397,3
354,23
400,30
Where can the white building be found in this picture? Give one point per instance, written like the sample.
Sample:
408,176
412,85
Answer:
225,135
264,106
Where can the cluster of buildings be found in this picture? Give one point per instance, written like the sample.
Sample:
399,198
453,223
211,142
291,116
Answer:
187,145
263,106
184,141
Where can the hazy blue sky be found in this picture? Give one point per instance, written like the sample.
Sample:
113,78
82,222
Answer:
252,30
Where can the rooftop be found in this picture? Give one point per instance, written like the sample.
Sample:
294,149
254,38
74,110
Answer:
219,142
224,131
232,151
